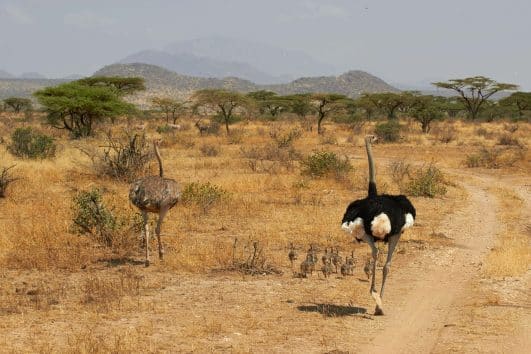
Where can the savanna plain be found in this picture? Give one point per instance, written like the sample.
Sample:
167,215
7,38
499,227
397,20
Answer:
459,280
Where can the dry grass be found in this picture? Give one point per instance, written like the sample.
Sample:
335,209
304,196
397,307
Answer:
105,302
512,254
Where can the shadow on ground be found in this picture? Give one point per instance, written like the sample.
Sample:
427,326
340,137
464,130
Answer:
331,310
115,262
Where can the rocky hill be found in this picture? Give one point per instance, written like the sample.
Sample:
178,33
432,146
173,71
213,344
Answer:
163,82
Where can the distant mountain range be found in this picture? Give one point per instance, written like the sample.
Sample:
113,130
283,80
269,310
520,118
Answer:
166,82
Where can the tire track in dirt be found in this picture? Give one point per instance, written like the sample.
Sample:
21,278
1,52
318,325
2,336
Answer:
413,322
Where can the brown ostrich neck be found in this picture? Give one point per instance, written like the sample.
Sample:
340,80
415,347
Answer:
157,154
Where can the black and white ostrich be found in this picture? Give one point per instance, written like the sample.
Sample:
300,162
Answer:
378,218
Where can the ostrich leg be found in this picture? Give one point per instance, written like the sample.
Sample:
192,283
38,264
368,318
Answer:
374,294
162,214
393,241
146,235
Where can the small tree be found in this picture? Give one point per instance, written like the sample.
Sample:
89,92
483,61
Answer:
122,85
474,91
224,103
521,101
77,107
269,102
425,110
365,103
18,104
325,104
169,107
387,102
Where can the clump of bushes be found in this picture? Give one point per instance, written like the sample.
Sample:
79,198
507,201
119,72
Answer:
427,182
285,139
204,195
28,143
326,164
495,157
92,217
270,158
507,139
388,131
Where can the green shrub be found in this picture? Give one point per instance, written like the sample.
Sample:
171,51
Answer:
427,182
162,129
28,143
92,217
324,163
203,195
388,131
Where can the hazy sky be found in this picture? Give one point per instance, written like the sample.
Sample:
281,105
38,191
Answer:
404,41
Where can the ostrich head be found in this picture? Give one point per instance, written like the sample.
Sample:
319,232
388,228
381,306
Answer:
371,138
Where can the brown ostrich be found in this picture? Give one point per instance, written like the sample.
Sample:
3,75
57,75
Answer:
154,194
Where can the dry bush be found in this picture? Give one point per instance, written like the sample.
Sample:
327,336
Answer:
327,139
445,134
23,296
125,158
236,136
400,173
270,158
511,128
495,157
6,178
508,140
209,150
251,259
284,139
484,133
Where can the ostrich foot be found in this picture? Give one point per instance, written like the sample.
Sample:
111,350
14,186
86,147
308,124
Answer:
378,311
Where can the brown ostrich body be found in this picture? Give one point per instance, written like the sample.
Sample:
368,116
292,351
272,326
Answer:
154,194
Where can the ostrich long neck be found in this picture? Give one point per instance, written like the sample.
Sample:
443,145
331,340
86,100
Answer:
157,154
372,175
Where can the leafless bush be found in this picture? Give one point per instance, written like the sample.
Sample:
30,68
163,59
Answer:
209,150
251,260
5,179
270,158
511,128
508,140
236,136
445,134
484,133
400,173
284,139
495,157
124,158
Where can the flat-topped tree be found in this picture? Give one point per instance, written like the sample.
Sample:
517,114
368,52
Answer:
387,102
474,91
123,85
299,104
269,102
18,104
521,101
169,106
326,104
224,103
77,107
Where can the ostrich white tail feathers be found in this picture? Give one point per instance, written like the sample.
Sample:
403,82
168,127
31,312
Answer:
381,226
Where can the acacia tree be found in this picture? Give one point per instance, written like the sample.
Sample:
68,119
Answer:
269,102
123,85
224,103
426,109
521,101
169,107
387,102
18,103
474,91
367,105
77,107
299,104
325,104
